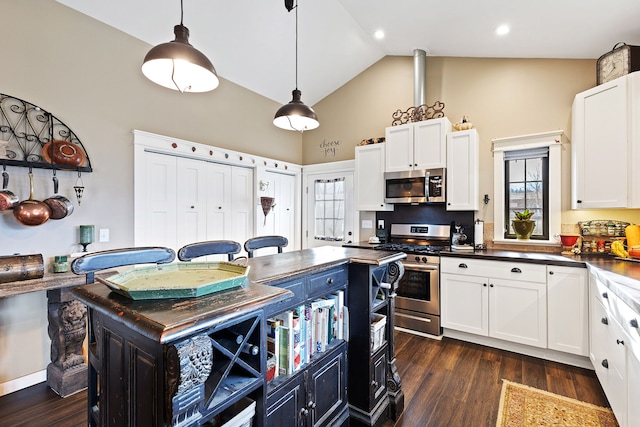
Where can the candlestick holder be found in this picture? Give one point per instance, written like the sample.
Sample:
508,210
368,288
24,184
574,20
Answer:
86,236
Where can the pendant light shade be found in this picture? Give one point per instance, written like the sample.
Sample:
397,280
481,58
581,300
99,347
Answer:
295,115
178,65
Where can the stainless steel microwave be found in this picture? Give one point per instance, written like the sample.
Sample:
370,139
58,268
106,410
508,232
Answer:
416,186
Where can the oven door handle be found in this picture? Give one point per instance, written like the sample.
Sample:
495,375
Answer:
421,267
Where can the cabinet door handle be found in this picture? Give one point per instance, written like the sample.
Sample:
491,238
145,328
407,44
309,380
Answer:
605,363
605,295
304,412
329,281
484,284
621,342
491,285
578,201
374,384
551,273
634,323
385,285
516,270
462,265
311,405
604,321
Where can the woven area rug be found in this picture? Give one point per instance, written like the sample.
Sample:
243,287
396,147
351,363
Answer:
524,406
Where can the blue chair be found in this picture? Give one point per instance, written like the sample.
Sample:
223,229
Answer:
260,242
211,247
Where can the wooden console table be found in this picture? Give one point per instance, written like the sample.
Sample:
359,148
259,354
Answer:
67,372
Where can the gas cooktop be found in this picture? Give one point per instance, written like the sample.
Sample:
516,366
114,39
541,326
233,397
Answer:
413,248
418,239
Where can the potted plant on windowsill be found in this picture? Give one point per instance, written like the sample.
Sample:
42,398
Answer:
523,225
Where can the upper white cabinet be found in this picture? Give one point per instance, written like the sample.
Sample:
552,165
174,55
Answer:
420,145
370,178
463,164
606,143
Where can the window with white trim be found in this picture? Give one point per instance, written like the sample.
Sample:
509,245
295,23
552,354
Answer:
519,178
527,188
329,209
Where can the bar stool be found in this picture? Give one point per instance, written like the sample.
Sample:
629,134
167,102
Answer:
260,242
211,247
96,261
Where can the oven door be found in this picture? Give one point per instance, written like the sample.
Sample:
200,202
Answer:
418,289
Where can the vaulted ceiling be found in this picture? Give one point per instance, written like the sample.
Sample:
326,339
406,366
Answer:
252,42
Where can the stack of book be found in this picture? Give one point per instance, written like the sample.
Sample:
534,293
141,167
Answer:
294,336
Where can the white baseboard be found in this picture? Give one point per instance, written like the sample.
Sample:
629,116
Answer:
541,353
23,382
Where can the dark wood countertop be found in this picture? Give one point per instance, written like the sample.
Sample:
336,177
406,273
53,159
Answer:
166,320
48,282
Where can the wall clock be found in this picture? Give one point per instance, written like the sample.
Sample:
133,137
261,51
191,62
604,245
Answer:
619,61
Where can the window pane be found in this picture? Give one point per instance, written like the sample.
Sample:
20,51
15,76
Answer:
516,170
329,209
534,169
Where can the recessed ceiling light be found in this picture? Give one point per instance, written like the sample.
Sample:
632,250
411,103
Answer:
379,34
502,30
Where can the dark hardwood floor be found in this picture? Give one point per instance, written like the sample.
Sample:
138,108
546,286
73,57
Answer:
446,383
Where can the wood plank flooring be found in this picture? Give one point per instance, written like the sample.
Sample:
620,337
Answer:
446,383
457,384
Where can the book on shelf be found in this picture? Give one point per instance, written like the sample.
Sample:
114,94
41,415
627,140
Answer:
297,342
338,320
301,311
286,349
273,345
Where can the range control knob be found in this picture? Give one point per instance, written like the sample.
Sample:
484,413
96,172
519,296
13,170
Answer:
424,259
417,259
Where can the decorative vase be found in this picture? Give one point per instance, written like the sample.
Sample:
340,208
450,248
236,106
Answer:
523,228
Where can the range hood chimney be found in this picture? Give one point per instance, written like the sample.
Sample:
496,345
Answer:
419,77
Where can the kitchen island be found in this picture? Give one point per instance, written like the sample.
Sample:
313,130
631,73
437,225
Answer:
184,361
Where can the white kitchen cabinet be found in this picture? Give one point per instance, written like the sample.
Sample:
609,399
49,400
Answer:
464,302
568,310
606,140
370,178
513,308
615,350
420,145
463,168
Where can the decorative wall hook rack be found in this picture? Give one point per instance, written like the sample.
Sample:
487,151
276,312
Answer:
36,138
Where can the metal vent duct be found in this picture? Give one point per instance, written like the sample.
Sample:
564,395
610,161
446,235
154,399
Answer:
419,77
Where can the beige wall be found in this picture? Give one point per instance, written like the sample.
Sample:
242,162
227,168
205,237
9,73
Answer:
501,97
88,75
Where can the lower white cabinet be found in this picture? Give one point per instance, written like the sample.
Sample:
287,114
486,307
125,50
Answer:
504,300
567,310
615,351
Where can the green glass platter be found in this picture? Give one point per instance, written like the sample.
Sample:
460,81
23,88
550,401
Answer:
178,280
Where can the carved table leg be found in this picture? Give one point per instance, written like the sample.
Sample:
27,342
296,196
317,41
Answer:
394,384
67,372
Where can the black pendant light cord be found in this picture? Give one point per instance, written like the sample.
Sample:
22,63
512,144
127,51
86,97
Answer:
181,11
296,7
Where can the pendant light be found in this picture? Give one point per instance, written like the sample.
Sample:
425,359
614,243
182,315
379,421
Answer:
295,115
178,65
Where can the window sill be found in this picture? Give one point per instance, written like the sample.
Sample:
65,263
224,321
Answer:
527,242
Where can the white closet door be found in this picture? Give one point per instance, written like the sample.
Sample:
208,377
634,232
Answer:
285,209
219,200
157,219
191,201
241,204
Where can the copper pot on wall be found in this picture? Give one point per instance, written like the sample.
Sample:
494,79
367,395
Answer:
8,200
60,206
31,212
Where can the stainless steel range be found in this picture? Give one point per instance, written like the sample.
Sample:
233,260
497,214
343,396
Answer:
418,292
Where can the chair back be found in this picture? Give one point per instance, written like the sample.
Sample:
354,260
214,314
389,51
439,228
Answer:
96,261
260,242
211,247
